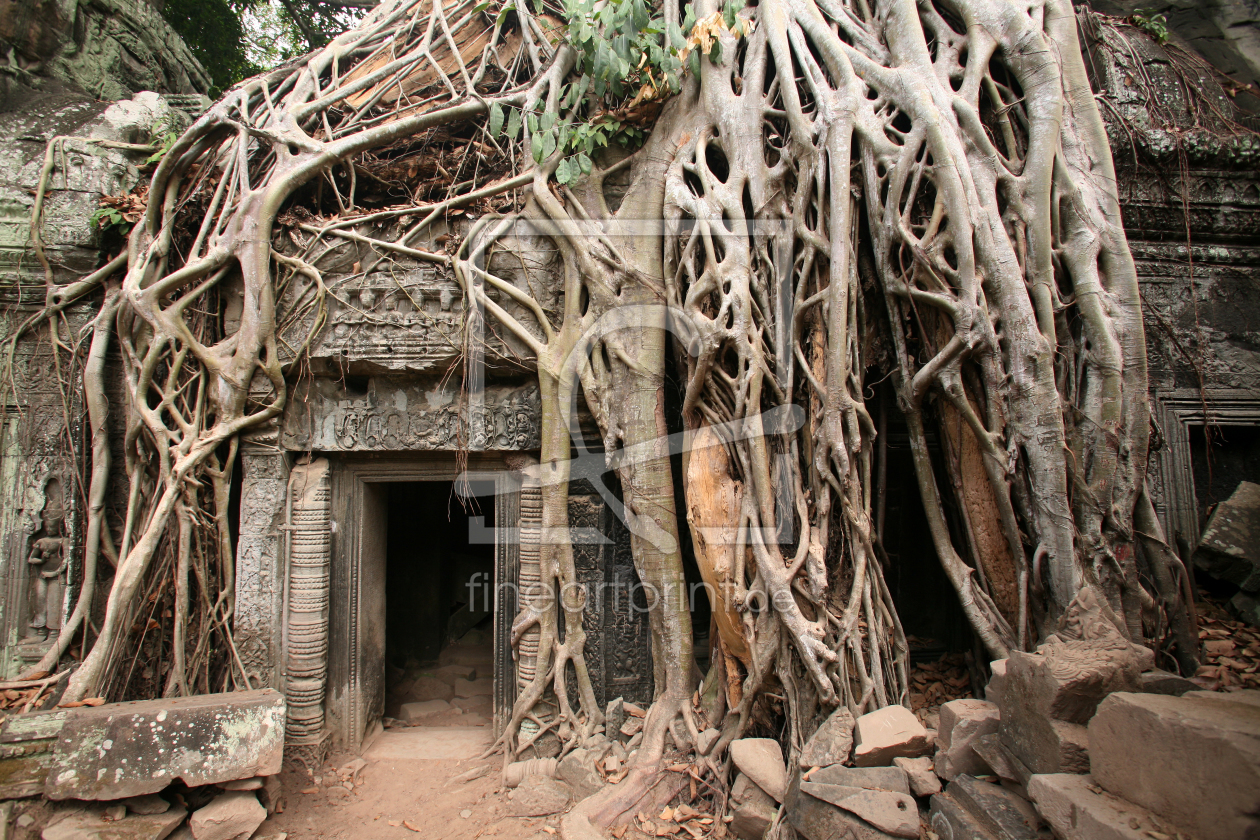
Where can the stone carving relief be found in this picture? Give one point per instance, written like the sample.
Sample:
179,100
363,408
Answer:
385,415
306,608
46,560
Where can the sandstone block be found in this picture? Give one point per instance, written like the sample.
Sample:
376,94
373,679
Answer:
962,722
1230,547
832,743
706,740
892,813
1162,682
129,749
886,733
91,824
752,809
538,796
761,760
234,815
430,688
577,769
1191,760
972,808
870,778
474,688
997,680
449,673
922,777
1077,809
147,805
415,712
815,819
1049,695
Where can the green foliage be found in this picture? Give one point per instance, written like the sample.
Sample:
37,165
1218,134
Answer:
108,217
212,30
1152,24
628,58
164,136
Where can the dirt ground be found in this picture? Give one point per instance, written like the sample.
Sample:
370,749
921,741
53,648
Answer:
402,799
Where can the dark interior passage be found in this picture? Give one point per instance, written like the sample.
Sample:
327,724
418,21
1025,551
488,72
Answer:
1222,456
439,581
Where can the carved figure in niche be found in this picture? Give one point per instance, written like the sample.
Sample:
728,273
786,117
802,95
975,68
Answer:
47,563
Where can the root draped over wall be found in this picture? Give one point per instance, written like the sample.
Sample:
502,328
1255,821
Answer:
840,191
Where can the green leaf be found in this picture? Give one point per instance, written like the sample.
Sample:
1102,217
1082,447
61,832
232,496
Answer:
584,163
693,63
533,123
562,171
536,147
548,120
715,54
496,119
514,124
549,144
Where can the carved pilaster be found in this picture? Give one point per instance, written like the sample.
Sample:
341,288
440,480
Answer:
260,559
306,607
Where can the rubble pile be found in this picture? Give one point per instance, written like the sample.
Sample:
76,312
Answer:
1081,739
1229,550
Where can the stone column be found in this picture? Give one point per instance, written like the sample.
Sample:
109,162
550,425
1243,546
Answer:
260,558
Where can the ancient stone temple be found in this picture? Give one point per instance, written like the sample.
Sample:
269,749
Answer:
395,506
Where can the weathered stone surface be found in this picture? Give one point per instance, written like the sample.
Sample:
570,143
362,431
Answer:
432,688
1192,760
890,812
886,733
243,784
1049,695
577,770
474,688
761,760
970,807
815,819
1162,682
1000,760
832,743
271,795
706,739
752,809
234,815
997,680
871,778
449,673
26,745
962,722
1078,809
921,775
479,705
415,712
147,805
130,749
90,824
1229,549
538,796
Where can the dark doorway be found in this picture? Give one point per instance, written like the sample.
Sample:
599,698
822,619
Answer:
1222,456
439,582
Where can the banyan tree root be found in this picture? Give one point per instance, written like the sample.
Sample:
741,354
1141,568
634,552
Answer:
841,190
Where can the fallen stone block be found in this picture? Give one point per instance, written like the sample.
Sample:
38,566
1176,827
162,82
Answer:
577,770
887,733
1000,760
271,795
870,778
26,752
449,673
997,680
752,809
1078,809
832,743
1246,608
129,749
90,824
1049,695
147,805
1194,761
234,815
1229,549
921,775
970,808
538,796
431,688
962,722
815,819
416,712
761,760
474,688
1162,682
706,739
892,813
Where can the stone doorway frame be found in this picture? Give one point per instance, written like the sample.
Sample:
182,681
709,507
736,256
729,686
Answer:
357,580
1175,411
